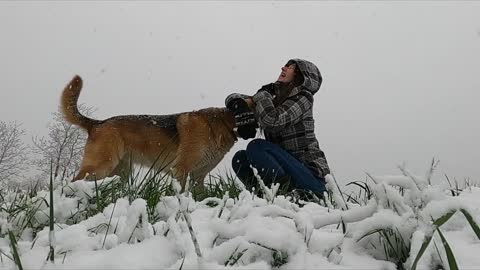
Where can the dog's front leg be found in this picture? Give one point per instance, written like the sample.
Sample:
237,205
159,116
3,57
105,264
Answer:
181,176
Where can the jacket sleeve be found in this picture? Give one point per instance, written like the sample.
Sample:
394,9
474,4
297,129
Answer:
287,114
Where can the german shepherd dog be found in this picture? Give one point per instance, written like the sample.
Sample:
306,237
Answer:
182,145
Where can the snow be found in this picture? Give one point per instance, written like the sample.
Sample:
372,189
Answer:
250,232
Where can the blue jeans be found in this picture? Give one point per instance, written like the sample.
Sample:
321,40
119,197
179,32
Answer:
273,163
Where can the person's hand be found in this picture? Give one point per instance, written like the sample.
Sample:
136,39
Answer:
233,101
250,103
244,117
247,131
239,105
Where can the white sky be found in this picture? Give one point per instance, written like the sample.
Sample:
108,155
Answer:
401,79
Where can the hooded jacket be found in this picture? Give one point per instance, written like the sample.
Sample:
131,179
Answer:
291,124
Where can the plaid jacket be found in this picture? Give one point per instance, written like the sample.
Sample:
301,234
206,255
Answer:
291,124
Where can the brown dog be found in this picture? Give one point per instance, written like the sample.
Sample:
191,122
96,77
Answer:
183,144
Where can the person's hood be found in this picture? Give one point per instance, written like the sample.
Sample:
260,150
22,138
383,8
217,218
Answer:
312,79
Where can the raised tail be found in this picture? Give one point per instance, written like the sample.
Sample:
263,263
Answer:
69,105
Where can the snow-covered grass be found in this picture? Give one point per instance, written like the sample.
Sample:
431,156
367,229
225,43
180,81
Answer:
133,222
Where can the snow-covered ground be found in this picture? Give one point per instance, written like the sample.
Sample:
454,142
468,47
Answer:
253,233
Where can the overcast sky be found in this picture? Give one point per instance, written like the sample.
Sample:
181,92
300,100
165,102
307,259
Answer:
401,79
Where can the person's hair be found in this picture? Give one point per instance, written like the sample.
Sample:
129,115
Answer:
298,80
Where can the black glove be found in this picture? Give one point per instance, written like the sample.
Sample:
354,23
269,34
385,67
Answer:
244,117
276,88
270,88
247,131
234,101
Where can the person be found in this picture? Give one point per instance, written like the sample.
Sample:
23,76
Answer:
290,153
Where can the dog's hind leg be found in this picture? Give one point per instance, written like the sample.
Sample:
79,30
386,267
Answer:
197,178
123,167
101,157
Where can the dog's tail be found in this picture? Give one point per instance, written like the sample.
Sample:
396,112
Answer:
69,105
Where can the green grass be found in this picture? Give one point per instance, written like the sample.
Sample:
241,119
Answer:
395,247
436,224
22,208
51,237
15,255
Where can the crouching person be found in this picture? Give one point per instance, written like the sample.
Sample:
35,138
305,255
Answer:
290,153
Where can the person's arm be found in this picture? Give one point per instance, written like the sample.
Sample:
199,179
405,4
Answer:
288,113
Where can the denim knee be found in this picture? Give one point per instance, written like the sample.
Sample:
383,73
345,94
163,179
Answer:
256,146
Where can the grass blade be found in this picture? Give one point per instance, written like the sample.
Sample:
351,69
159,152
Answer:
369,233
51,235
472,222
341,193
109,222
437,223
97,197
452,263
441,220
16,257
424,246
181,265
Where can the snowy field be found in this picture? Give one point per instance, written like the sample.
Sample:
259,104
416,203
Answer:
399,86
382,226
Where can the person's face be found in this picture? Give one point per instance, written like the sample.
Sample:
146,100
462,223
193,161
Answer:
288,74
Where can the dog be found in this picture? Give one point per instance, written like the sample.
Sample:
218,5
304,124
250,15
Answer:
182,145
